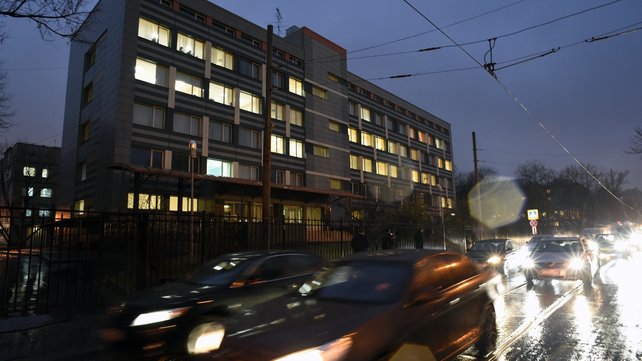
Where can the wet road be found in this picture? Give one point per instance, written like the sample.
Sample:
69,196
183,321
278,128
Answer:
563,320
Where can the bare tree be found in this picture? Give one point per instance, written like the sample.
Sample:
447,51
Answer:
5,102
636,147
582,176
52,17
535,173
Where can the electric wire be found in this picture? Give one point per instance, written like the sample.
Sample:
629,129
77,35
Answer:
526,110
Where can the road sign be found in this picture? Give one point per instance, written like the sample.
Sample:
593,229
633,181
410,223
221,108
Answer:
533,223
534,229
532,214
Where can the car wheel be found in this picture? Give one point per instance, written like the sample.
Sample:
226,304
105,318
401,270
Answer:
205,336
488,339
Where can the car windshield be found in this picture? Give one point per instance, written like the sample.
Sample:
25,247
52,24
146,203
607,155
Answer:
567,246
218,272
368,282
493,246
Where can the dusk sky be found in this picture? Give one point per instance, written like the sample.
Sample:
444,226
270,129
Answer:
588,95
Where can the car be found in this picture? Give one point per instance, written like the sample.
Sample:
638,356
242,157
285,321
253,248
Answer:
158,322
498,253
531,243
375,305
613,246
561,258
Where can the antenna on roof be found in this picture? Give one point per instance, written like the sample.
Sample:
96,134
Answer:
279,21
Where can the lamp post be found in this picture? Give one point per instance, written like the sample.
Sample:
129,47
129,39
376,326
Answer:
192,155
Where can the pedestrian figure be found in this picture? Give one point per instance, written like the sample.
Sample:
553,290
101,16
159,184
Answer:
419,238
388,241
359,241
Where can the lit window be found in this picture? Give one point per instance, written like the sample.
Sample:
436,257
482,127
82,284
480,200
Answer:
79,206
145,201
414,154
321,151
278,144
29,171
150,116
411,132
250,102
403,151
440,162
44,213
433,180
421,136
30,192
189,84
380,143
425,178
187,124
414,175
188,45
393,171
296,148
382,168
296,86
222,58
45,193
366,139
319,92
153,32
354,161
365,114
334,126
353,135
392,147
367,165
278,111
221,94
150,72
439,143
335,184
173,204
296,117
219,168
45,173
448,165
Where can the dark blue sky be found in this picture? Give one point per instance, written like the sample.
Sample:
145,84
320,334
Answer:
588,95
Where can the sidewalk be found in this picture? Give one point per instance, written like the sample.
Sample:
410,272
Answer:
49,337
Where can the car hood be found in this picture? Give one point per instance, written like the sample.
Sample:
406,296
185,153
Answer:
483,254
542,257
289,324
174,294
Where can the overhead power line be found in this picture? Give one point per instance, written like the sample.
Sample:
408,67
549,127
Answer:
528,112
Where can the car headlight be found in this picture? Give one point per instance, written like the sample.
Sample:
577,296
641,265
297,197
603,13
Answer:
158,316
331,351
576,263
620,246
528,263
205,338
495,260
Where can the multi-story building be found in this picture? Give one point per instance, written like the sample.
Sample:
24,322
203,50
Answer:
30,179
149,77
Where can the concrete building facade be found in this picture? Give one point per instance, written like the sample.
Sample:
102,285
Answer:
147,77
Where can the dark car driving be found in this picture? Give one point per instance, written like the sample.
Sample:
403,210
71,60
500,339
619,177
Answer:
499,254
161,320
426,304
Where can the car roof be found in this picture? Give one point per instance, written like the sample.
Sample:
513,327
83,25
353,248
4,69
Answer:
493,240
565,238
263,253
399,255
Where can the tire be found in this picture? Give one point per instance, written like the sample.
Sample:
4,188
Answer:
488,340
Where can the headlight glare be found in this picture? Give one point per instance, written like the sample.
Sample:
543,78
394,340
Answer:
205,338
494,260
576,263
158,316
331,351
528,263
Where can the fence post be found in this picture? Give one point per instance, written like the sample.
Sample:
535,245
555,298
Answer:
141,251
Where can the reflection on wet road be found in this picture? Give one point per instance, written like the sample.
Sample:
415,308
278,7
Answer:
563,320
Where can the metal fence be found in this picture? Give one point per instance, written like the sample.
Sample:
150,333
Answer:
74,264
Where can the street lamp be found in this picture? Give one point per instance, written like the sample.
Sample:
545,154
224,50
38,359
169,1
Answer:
192,155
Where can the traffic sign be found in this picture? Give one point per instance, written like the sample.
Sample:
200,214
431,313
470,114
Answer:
534,230
532,214
533,223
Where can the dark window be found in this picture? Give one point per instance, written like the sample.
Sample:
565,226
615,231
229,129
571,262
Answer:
249,68
90,57
140,157
223,28
220,132
278,80
249,138
192,13
250,40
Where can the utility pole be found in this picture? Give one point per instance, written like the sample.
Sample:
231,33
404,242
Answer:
477,185
267,140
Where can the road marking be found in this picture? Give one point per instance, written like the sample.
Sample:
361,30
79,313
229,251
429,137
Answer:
528,324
